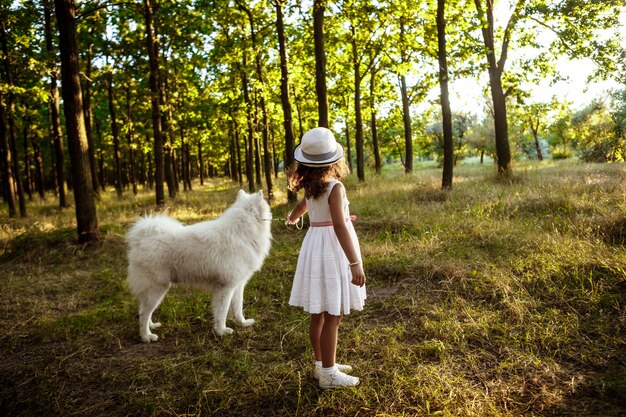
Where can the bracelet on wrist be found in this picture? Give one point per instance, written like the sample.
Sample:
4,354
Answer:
354,263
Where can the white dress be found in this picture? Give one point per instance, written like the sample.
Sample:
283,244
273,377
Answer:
323,281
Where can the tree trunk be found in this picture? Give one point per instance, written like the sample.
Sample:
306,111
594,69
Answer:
101,173
284,94
267,156
201,162
377,161
250,137
538,148
348,144
5,163
116,141
406,111
40,178
498,97
29,182
131,145
448,145
299,111
319,7
186,161
168,144
534,127
10,111
153,46
358,118
55,108
232,157
89,116
238,147
408,134
75,123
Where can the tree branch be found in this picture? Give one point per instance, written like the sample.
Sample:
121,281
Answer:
556,32
507,34
106,5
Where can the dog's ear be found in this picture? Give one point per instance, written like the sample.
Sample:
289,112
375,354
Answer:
240,194
260,194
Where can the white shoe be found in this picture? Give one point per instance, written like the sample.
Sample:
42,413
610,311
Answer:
340,367
338,380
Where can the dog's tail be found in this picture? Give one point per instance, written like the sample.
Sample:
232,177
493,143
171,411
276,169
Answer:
150,226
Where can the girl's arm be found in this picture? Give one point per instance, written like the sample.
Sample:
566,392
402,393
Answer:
297,212
335,200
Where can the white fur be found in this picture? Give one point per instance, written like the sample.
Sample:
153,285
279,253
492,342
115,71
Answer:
218,256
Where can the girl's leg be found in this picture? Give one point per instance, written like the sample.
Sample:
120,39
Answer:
328,339
315,331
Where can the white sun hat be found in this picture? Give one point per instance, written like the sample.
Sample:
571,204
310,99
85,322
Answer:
318,148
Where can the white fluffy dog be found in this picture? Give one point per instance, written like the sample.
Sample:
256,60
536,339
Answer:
218,256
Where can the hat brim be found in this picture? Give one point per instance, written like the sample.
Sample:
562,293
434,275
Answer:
298,156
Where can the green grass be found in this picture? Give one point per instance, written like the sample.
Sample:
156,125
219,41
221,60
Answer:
500,297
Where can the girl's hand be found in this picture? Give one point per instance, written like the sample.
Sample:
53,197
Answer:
288,219
358,275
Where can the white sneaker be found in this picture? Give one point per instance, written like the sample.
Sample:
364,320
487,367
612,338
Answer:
340,367
338,380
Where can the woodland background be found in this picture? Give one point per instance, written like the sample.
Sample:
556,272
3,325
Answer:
177,92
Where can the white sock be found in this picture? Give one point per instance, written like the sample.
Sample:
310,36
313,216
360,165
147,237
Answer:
327,372
318,364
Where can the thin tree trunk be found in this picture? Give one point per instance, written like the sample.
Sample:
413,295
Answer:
257,148
10,112
238,147
358,118
169,157
408,134
232,157
377,161
131,145
299,110
101,173
267,156
40,178
186,161
406,110
5,163
86,218
29,181
448,145
88,114
201,162
250,137
284,94
348,144
153,56
534,127
55,112
116,141
319,6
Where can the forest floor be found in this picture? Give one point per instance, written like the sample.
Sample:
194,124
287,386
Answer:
497,298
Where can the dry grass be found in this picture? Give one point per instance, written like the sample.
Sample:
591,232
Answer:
497,298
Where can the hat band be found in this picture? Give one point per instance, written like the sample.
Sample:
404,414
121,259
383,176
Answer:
319,157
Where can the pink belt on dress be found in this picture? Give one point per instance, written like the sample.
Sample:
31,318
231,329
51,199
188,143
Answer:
330,223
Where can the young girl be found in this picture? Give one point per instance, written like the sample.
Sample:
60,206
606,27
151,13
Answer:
329,279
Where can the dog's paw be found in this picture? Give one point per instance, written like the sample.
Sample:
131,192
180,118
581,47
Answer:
247,322
224,331
155,325
149,338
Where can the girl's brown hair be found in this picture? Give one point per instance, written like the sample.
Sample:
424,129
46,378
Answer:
314,180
